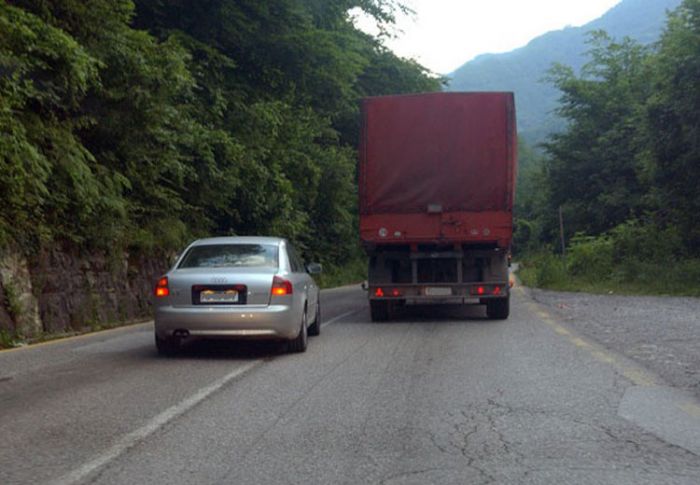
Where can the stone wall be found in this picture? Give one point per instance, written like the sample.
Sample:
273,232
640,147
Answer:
63,290
20,309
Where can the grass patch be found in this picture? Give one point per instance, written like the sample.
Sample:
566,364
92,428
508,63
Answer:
333,276
628,277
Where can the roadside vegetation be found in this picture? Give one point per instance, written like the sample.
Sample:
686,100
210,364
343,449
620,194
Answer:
140,125
611,202
354,272
631,259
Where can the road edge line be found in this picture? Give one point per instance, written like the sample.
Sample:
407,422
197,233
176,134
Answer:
637,374
133,438
340,317
71,338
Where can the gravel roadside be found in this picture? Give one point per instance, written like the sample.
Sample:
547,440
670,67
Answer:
660,333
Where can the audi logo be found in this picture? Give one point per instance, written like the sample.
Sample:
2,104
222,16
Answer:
219,280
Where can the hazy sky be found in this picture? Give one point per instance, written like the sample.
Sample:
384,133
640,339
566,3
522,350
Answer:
444,34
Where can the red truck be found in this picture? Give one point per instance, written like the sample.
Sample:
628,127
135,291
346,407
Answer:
437,179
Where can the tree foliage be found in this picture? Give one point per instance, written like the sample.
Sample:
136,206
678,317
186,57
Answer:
592,171
144,124
630,153
672,122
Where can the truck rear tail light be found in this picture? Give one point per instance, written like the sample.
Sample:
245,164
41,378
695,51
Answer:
495,290
281,287
382,292
162,289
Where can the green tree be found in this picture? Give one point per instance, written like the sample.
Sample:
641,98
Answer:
673,124
144,124
531,201
592,167
44,77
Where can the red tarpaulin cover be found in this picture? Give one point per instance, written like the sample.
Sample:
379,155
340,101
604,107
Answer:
455,151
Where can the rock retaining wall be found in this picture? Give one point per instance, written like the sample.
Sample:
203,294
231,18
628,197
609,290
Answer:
62,290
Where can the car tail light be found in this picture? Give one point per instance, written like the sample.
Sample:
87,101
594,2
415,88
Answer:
162,287
379,292
281,287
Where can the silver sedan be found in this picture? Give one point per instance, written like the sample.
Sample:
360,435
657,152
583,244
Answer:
237,287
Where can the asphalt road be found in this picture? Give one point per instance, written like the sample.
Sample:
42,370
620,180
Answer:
660,333
437,396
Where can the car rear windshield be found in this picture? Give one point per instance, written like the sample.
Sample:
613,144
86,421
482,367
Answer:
231,256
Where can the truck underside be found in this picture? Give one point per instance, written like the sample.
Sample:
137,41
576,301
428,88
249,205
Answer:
463,274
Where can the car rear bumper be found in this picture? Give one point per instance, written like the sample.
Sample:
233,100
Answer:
273,321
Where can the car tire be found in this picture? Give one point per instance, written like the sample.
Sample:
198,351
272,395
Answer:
315,328
498,309
300,342
379,310
167,347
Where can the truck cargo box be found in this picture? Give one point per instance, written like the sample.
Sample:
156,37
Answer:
438,168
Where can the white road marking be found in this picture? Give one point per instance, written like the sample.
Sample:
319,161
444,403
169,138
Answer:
131,439
340,317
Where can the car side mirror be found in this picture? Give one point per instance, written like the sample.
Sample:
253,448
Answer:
314,268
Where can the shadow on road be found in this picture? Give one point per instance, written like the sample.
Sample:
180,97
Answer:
437,314
261,349
227,350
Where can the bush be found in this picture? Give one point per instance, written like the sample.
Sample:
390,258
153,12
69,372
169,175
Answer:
632,258
590,257
334,276
635,241
544,270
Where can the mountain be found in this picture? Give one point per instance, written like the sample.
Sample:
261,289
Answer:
522,70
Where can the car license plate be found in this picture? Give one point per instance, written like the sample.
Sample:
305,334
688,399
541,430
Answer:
438,291
218,296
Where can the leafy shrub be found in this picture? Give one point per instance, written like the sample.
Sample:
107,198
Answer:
590,257
632,258
334,276
646,242
544,270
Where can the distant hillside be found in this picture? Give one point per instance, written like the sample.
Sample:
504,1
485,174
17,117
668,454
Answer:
523,69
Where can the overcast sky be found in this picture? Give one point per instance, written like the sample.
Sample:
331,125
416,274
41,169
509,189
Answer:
444,34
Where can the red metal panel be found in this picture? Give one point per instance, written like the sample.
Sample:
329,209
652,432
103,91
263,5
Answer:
454,152
461,227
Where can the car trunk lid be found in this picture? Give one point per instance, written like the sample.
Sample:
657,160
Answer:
221,286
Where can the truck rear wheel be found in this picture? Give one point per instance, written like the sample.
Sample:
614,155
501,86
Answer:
379,310
498,308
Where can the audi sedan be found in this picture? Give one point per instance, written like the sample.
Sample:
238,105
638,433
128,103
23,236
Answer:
239,288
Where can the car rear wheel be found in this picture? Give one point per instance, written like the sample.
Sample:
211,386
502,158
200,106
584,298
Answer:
315,328
167,347
299,344
498,309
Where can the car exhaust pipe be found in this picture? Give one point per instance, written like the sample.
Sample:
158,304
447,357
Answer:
181,333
